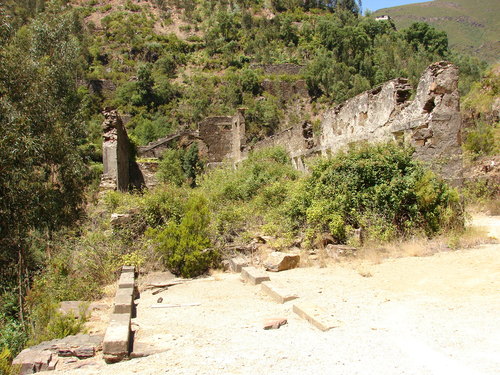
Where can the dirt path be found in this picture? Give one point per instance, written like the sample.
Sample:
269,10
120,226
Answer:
426,315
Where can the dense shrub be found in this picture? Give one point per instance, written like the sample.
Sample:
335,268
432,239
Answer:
380,189
186,247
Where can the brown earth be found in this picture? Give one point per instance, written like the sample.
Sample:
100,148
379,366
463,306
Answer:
415,315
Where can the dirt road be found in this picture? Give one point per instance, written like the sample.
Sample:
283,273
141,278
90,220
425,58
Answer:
416,315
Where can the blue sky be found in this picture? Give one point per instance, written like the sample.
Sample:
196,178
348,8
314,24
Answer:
378,4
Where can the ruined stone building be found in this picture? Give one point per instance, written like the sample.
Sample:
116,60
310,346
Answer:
431,123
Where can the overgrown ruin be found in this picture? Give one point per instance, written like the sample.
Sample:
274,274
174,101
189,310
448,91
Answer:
431,123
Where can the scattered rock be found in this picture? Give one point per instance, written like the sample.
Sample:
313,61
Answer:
43,357
278,261
275,323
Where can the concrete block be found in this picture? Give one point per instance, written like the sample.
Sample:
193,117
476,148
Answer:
127,280
116,342
278,292
124,301
128,269
316,315
253,275
236,264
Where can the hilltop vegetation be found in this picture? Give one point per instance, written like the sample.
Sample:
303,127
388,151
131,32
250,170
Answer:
472,26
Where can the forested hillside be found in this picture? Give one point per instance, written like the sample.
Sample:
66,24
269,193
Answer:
472,26
165,65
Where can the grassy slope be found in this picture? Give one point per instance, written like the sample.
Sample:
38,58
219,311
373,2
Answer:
473,26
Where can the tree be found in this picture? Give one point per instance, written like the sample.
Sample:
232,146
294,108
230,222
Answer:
422,34
42,174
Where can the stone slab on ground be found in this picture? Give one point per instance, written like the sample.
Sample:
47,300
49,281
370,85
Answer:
124,301
237,263
44,356
279,261
32,361
278,292
116,342
254,275
316,315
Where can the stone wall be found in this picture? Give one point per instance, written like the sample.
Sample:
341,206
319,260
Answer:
431,122
224,137
115,152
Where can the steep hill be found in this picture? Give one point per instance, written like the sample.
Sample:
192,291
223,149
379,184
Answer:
473,26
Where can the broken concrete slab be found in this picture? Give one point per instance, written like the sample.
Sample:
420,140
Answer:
278,292
279,261
316,315
253,275
237,263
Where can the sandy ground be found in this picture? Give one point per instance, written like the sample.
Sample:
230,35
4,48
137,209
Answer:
417,315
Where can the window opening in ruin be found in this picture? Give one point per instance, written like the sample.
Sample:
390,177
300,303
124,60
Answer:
430,105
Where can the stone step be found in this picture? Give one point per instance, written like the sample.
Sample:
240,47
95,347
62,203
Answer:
253,275
278,292
316,315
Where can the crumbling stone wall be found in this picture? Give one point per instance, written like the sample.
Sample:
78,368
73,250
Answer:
224,137
431,122
115,152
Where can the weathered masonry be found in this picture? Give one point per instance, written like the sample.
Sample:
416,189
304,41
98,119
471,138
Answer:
115,152
431,123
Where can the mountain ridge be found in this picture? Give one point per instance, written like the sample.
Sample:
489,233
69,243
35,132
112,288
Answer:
472,26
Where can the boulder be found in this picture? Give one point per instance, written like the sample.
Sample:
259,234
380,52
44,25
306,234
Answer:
278,261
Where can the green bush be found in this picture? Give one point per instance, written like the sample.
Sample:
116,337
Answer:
170,168
186,247
380,189
163,205
483,139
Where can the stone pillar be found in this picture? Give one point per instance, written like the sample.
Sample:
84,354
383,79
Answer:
238,135
437,140
115,152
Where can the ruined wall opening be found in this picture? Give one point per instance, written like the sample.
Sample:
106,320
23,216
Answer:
429,105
